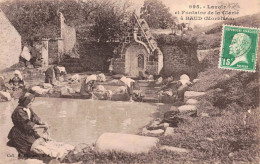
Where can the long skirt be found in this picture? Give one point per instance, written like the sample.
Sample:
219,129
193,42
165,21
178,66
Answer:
22,141
48,79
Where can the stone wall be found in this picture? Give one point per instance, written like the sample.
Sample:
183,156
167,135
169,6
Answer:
151,67
178,60
53,51
119,66
208,58
210,54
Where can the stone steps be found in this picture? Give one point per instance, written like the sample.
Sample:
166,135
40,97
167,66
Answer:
151,100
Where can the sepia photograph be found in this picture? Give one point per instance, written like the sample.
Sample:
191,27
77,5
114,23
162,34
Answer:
129,81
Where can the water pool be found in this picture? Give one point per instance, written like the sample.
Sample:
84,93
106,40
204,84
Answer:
77,121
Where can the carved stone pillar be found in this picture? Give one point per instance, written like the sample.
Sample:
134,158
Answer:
45,52
60,49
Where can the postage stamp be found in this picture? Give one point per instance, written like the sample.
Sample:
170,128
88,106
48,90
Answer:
239,48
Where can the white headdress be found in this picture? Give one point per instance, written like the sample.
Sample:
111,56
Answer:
17,72
184,79
127,81
90,78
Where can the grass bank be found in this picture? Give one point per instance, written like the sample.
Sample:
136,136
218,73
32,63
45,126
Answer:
228,133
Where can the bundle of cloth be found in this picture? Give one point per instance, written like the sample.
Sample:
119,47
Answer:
39,90
101,77
89,87
74,79
4,95
101,93
51,148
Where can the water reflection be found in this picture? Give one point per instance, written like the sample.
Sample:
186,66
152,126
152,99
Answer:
82,121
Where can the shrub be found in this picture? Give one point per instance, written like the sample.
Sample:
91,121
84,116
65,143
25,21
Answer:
231,139
94,55
180,41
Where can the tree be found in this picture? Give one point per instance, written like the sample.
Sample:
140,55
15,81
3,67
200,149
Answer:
109,18
172,24
157,14
36,19
78,12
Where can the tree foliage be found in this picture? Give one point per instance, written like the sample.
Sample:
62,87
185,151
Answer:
36,19
31,18
109,20
157,14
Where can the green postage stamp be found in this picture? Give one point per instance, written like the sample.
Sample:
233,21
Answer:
239,48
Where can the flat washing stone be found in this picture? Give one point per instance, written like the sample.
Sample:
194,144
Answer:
189,94
187,108
128,143
5,95
153,132
192,102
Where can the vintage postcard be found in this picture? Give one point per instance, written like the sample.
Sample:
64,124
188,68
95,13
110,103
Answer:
129,81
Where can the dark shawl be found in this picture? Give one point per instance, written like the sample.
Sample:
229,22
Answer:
22,135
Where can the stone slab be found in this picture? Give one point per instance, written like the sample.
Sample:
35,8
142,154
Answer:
187,108
5,96
192,94
169,131
192,102
153,132
174,149
129,143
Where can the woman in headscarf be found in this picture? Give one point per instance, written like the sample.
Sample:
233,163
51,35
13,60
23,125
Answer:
184,84
23,134
88,86
24,137
51,74
17,80
133,88
60,72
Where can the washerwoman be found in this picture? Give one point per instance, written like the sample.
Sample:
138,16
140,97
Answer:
133,89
